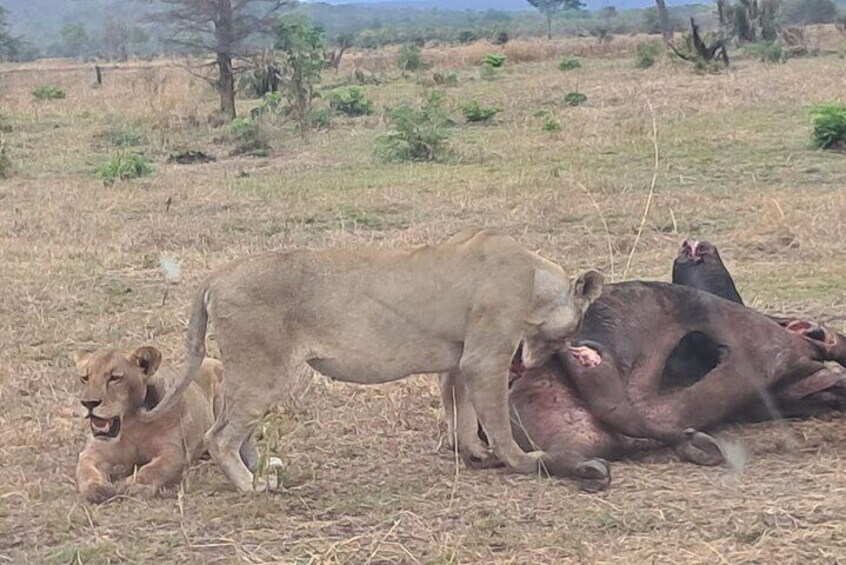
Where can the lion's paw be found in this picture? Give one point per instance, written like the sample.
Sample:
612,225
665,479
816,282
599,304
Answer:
139,490
99,493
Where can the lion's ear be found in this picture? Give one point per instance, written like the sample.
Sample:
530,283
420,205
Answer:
588,287
148,358
81,357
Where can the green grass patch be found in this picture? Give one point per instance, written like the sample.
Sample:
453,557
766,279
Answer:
124,165
829,126
48,93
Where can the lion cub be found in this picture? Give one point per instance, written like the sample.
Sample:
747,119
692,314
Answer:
115,387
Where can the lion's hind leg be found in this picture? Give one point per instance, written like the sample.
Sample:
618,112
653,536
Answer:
250,390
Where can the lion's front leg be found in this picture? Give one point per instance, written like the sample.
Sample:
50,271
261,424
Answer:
462,423
163,470
92,477
493,337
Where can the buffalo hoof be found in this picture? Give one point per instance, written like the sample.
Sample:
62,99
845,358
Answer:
475,461
593,475
701,449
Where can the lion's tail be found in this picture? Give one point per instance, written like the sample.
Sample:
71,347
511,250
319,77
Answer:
195,353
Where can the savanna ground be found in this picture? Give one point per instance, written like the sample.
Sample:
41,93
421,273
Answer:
365,480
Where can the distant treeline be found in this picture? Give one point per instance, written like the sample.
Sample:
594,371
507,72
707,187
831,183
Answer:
115,29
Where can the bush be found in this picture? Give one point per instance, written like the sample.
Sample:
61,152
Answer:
270,102
568,64
417,135
350,100
474,112
124,165
321,118
829,123
409,58
249,137
767,51
260,79
493,60
575,99
467,36
647,54
301,48
5,161
500,38
449,79
48,93
550,122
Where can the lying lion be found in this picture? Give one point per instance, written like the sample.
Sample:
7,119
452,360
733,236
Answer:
115,387
378,315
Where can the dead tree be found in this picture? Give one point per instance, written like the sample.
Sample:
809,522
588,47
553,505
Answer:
698,50
333,58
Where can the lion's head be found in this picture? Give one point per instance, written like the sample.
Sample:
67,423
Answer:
114,386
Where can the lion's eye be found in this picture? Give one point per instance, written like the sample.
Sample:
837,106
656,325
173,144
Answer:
83,378
115,378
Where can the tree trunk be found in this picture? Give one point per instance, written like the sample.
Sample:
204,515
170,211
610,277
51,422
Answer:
664,17
227,85
549,24
225,38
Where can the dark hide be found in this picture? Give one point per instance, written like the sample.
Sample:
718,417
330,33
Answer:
580,413
699,265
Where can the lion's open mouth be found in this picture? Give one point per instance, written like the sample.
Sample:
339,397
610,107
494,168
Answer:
104,427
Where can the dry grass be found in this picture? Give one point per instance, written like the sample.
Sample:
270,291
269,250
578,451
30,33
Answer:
825,38
365,481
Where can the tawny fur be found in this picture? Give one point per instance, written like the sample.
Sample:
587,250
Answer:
161,450
378,315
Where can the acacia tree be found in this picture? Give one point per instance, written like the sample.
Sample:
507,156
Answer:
219,26
551,7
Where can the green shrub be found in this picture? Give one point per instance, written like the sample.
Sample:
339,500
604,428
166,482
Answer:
474,112
829,126
467,36
270,102
493,60
409,58
321,118
575,99
449,79
259,80
48,93
568,64
249,137
767,51
350,100
416,135
301,49
124,165
5,161
647,54
549,122
500,38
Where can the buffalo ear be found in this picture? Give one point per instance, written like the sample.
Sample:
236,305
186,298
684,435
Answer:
148,358
589,286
